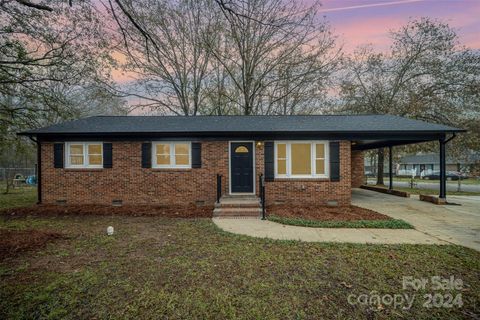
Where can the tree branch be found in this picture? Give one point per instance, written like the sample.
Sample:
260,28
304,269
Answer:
37,6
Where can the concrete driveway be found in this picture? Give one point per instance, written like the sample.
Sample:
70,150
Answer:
455,224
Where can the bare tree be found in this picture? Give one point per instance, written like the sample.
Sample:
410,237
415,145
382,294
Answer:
220,96
249,57
304,80
274,52
51,56
365,89
164,46
427,75
44,53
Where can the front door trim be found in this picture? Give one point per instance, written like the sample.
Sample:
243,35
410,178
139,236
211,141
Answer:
230,168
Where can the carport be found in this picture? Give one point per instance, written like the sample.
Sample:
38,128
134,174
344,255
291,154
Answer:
440,133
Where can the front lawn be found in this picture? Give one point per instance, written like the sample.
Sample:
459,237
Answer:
17,197
168,268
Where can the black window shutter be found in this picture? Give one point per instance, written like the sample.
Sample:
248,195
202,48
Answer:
269,161
58,155
146,155
335,161
107,155
196,155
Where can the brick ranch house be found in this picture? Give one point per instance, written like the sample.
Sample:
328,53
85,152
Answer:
314,160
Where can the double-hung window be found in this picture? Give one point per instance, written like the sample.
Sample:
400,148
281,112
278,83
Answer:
301,159
172,155
84,155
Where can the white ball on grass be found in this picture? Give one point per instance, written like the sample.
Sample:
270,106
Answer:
110,230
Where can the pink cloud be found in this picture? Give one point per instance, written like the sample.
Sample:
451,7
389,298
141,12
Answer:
362,22
375,33
369,21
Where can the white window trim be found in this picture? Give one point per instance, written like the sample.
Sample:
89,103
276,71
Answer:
85,164
313,158
172,164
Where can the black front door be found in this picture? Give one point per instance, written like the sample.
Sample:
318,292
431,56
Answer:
241,166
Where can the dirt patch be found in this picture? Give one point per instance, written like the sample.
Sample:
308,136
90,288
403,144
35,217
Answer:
13,242
127,210
347,213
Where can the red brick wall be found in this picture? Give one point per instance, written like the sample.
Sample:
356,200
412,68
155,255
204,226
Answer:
129,182
358,169
311,191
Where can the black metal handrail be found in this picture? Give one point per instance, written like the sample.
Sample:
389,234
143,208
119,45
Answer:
219,187
261,185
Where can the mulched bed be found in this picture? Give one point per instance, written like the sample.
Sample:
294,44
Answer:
348,213
13,242
127,210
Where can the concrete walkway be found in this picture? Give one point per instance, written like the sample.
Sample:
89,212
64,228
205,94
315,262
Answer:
433,224
268,229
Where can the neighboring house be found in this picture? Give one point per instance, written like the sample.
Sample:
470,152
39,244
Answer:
430,162
305,160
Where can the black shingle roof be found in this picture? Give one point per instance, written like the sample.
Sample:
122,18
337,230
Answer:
242,124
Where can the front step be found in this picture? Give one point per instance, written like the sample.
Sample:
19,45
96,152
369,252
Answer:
239,196
237,212
238,203
238,206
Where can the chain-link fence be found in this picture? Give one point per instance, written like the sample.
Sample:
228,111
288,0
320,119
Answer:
11,173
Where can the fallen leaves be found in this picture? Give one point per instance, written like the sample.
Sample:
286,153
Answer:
346,213
188,211
13,242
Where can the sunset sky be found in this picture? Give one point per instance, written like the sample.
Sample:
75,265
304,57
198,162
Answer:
359,22
368,21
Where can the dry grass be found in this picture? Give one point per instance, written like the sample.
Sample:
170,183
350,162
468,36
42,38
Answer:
154,267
